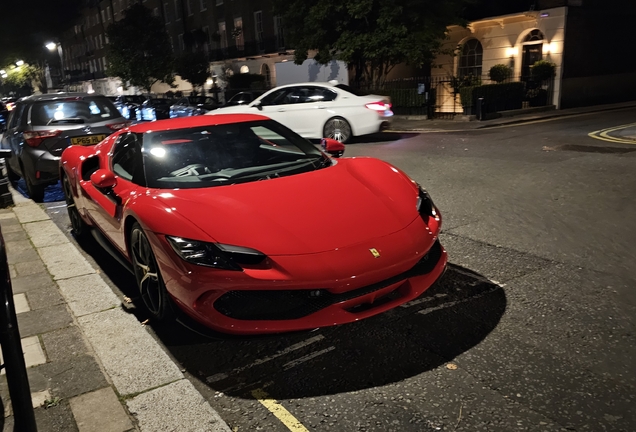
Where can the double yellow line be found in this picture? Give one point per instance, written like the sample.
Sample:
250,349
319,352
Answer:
604,134
292,423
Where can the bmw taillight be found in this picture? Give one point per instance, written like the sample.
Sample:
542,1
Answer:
117,126
34,138
380,106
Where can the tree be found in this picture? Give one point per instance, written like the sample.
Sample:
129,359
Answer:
193,67
372,36
139,49
21,80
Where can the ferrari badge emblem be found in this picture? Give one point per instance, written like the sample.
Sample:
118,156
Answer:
374,252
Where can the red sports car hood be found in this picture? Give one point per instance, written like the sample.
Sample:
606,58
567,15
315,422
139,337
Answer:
355,200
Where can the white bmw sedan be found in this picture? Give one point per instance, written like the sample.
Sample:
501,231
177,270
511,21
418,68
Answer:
320,110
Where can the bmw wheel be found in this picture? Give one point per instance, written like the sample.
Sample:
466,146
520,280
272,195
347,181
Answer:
337,128
79,227
149,281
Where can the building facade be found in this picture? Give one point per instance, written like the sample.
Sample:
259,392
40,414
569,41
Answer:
238,36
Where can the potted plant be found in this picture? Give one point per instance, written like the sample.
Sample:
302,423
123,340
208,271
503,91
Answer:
499,73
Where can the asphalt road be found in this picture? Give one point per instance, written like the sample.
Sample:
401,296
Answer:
532,328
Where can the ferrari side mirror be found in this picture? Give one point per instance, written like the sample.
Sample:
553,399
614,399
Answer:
103,179
333,147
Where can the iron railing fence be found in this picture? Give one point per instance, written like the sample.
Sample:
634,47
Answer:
447,96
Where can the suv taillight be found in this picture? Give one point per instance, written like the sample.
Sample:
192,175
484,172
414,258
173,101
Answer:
380,106
34,138
117,126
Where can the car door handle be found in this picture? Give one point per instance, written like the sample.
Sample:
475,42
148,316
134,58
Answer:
281,110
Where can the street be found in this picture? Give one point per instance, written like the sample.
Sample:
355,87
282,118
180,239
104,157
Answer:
531,328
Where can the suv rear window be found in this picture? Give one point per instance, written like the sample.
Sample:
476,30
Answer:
86,110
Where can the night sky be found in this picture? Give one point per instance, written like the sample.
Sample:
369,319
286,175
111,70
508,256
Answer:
25,25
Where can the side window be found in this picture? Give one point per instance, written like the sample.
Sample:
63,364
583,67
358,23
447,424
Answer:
326,94
127,161
276,98
16,116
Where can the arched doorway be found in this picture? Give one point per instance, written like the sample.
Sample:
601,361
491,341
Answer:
268,77
532,51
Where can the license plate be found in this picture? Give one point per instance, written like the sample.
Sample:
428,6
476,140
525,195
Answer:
87,140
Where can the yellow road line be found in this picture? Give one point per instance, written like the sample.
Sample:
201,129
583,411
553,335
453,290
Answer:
603,134
279,411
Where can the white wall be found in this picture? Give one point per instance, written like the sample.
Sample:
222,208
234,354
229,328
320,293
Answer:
502,40
311,71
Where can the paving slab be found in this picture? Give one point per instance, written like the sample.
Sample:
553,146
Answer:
64,343
130,355
33,353
73,376
30,213
45,233
20,302
88,294
44,320
29,268
100,411
64,261
155,410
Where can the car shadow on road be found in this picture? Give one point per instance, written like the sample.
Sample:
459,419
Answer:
454,315
382,137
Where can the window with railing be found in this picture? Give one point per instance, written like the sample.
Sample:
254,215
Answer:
222,35
278,31
237,34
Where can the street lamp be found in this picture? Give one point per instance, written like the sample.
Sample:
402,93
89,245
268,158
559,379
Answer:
52,46
19,63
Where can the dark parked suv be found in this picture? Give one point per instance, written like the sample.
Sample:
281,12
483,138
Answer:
40,127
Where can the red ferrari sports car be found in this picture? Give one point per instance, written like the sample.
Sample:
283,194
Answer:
249,228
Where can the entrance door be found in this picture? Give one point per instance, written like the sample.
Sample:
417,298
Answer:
531,54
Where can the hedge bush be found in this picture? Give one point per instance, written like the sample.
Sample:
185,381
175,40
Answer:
499,97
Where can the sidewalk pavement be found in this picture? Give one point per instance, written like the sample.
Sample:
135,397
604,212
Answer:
91,365
420,124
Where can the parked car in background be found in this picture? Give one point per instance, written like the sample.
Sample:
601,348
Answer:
41,127
316,110
4,115
9,102
128,104
154,109
192,106
212,230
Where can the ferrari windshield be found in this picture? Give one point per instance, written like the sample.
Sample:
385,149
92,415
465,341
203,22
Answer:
226,154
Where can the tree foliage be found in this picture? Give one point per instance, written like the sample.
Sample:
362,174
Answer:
21,80
139,49
193,67
499,73
372,36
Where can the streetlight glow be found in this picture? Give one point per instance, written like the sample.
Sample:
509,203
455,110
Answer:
51,46
19,63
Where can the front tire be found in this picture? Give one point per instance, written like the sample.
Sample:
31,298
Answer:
149,281
337,128
79,227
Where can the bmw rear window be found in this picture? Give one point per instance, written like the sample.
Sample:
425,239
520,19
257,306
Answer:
85,110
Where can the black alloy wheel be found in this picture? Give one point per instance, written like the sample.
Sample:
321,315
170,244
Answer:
149,281
79,227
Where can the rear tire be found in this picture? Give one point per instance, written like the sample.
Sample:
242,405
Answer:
337,128
149,281
11,175
79,227
36,192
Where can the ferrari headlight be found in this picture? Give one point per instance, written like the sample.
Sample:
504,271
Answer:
215,255
425,206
